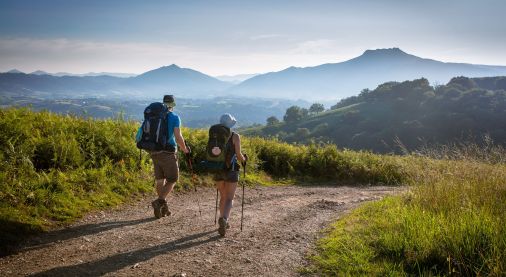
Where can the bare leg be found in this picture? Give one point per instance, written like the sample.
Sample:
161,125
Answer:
228,198
163,188
220,185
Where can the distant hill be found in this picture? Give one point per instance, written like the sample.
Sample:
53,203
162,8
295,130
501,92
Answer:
174,79
40,72
50,87
326,82
410,113
180,81
14,71
339,80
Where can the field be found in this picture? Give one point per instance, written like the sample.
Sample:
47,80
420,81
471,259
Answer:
54,169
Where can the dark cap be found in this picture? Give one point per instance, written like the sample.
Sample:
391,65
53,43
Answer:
169,100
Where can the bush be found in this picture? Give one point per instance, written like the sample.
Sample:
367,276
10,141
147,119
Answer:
55,168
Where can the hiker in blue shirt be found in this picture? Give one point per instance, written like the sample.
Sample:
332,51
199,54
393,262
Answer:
164,157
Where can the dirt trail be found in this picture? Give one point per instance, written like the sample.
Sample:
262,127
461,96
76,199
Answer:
281,225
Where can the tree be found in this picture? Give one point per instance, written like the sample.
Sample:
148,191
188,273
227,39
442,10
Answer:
293,114
304,112
302,133
316,108
271,120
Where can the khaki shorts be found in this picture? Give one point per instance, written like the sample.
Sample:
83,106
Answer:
166,166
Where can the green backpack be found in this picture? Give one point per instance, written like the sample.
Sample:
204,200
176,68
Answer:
216,150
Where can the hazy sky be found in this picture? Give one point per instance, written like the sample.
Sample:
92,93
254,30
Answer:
233,37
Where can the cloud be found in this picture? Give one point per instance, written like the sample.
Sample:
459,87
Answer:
315,46
81,56
265,36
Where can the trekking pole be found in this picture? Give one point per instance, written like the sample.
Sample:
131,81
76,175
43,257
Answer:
216,207
194,177
242,204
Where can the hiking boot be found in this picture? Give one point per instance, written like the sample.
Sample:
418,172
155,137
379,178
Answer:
165,209
157,208
222,229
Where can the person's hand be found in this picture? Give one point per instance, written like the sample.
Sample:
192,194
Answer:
186,149
245,157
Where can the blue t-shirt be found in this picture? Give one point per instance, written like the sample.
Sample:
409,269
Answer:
173,121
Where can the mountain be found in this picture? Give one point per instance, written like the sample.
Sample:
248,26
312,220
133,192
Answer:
40,72
411,113
14,71
344,79
323,83
184,82
51,87
235,79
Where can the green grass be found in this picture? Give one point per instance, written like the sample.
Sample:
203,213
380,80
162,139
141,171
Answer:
54,169
453,221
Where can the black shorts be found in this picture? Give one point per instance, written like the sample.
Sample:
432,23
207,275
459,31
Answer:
227,176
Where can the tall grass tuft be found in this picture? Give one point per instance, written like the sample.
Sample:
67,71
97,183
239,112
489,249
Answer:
452,221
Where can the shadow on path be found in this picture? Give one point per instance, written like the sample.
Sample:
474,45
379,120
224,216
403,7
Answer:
119,261
79,231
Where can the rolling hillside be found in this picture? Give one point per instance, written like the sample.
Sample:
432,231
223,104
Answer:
410,114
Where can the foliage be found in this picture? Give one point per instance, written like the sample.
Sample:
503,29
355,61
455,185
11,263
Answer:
272,120
316,108
408,115
293,113
327,162
450,223
54,169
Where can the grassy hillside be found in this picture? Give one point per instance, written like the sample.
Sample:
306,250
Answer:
410,114
452,222
54,169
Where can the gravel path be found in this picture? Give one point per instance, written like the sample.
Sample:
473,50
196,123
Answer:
281,225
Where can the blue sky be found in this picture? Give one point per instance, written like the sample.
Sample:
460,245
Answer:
235,37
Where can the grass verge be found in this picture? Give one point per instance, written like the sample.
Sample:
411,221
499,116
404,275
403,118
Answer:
453,221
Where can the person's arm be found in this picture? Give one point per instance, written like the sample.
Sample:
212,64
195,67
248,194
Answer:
237,142
180,140
178,136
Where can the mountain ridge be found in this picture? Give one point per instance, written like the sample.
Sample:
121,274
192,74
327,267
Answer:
325,82
344,79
